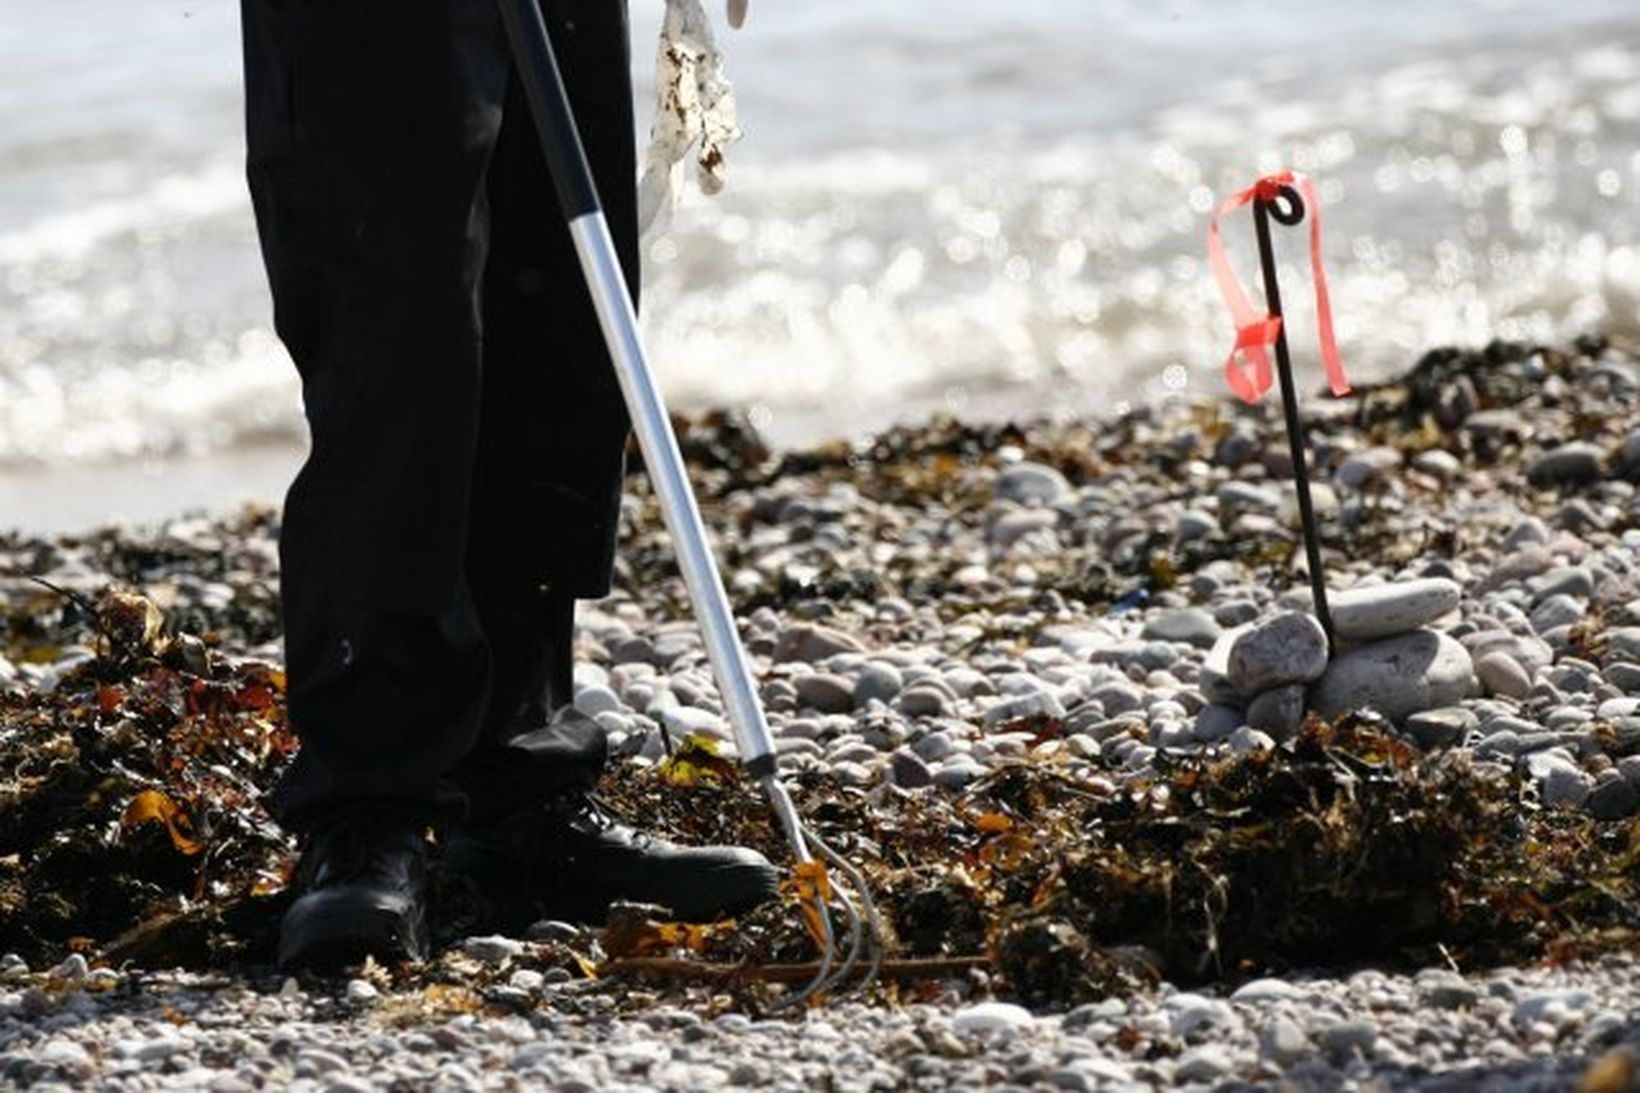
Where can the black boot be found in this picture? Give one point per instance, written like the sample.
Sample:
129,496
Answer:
570,860
364,879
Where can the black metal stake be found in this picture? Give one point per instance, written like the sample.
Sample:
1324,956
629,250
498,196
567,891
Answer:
1293,214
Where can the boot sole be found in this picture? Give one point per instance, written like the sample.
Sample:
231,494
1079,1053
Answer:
736,895
344,936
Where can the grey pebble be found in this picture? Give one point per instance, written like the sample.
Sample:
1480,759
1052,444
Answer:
1288,648
1037,482
1614,709
1613,799
1396,676
1117,698
1574,464
162,1047
1194,524
1442,727
1438,462
1556,611
493,950
348,1083
1189,625
1246,740
1278,711
825,692
1190,1013
1446,989
1356,1035
1502,674
1204,1063
1499,742
1237,496
1378,611
853,750
1045,703
595,700
909,770
65,1056
1170,734
1561,782
877,681
1528,533
934,747
924,700
1139,757
634,650
810,642
1623,642
1283,1042
1528,743
318,1060
1010,527
361,990
72,969
1624,675
1215,722
1570,580
1365,466
958,773
1232,613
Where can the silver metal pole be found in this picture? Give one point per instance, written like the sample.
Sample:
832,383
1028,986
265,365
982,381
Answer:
578,198
677,499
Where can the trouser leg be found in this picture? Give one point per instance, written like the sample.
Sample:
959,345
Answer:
547,480
371,127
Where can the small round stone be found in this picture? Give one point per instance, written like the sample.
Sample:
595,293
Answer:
362,990
1575,464
984,1018
1501,674
1289,648
825,692
1027,482
1278,711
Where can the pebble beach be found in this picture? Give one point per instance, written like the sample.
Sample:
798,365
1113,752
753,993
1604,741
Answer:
1114,613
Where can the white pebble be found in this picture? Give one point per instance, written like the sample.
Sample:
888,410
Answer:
991,1017
361,990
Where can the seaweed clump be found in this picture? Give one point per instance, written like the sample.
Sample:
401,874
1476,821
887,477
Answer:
131,825
1346,848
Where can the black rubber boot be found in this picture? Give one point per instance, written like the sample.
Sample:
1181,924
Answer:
364,880
570,860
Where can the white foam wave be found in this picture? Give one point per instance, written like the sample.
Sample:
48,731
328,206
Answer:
172,200
1484,196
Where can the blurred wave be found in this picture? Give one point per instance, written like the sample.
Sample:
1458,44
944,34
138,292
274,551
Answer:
995,209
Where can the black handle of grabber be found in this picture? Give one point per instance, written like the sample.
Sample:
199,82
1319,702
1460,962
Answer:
1291,214
549,104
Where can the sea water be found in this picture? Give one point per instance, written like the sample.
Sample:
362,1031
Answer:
956,206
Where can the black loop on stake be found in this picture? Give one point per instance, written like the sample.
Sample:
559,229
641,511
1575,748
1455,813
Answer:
1294,210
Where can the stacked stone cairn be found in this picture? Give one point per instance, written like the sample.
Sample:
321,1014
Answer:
1404,651
1391,657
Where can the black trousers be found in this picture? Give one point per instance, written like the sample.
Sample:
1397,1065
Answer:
463,484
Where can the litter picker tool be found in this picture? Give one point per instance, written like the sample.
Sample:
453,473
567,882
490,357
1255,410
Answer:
840,950
1248,366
